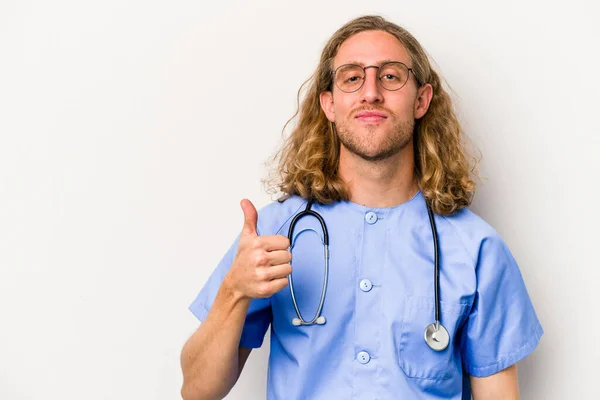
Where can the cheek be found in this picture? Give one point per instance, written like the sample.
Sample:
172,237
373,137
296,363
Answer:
403,107
344,103
343,109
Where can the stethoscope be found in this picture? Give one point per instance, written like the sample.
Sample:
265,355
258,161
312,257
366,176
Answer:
436,336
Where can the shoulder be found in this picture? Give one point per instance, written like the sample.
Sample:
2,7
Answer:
475,233
273,216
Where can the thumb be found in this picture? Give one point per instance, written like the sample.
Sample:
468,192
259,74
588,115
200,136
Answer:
250,217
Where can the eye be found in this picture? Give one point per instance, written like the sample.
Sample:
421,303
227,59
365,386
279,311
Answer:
390,77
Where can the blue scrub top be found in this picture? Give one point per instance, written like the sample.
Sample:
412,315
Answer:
380,298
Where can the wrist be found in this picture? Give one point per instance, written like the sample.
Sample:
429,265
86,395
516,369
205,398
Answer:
232,292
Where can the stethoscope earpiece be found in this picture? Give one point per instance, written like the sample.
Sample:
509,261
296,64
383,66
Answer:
319,321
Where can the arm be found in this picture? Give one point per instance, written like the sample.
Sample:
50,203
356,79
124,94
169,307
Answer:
499,386
211,359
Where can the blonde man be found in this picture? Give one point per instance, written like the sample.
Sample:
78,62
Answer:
416,297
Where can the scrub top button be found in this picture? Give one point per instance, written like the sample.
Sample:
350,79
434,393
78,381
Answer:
365,285
363,357
371,217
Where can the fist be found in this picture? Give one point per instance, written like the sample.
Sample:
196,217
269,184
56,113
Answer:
262,263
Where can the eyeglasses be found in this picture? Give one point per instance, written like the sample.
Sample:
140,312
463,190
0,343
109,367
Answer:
390,75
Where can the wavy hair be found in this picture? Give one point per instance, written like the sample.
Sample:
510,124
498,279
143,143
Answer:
309,157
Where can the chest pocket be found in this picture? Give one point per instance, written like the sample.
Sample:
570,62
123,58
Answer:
416,358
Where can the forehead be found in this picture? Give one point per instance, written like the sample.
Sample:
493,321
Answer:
371,48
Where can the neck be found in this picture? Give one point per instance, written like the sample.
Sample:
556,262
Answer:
379,184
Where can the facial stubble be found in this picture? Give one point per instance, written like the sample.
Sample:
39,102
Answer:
363,144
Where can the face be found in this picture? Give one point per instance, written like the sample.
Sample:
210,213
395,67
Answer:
374,123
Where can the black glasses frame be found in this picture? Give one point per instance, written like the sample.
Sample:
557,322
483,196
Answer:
410,70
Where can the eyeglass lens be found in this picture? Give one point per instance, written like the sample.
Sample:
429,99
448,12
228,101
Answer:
392,76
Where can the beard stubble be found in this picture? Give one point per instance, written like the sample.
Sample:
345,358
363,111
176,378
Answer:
364,145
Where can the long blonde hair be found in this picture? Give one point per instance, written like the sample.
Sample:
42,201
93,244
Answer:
307,163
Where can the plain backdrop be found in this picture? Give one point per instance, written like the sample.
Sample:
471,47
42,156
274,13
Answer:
130,130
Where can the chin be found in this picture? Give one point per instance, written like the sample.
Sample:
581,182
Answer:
376,155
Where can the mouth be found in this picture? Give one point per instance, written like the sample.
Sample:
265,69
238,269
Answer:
371,116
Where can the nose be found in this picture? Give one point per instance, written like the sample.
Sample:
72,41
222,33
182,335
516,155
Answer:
371,91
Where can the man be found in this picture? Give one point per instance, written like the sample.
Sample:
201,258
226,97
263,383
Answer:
376,144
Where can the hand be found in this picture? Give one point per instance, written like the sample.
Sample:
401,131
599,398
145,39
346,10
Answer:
262,263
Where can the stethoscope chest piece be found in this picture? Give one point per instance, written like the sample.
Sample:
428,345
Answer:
436,337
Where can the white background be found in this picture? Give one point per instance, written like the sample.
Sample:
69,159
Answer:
130,130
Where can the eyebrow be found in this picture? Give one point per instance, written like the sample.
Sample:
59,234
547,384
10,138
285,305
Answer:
378,63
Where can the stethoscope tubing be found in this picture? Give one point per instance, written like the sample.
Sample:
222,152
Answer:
436,270
435,335
296,218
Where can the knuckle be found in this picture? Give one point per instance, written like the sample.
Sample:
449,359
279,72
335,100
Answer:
260,258
256,243
260,274
263,289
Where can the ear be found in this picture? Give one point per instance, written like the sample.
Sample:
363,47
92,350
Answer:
424,96
326,99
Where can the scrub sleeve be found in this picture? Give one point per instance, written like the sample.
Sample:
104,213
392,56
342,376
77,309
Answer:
502,327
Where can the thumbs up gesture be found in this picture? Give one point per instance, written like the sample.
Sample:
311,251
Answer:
262,263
